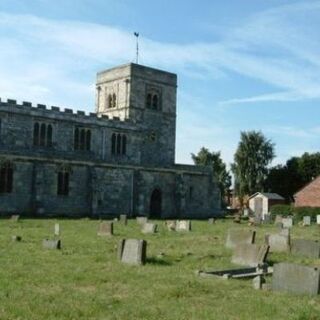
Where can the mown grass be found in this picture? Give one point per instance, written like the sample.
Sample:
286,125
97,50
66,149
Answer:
84,280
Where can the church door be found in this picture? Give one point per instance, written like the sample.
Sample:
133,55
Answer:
155,204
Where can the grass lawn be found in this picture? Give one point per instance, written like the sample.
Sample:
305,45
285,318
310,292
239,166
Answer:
84,280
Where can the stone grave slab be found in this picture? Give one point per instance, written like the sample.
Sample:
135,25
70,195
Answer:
171,225
250,255
279,242
124,219
105,229
57,229
149,228
142,220
287,222
306,248
211,221
15,218
278,221
51,244
132,251
318,219
293,278
183,225
239,236
306,221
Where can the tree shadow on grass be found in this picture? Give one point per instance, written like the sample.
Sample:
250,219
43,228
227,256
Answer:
158,261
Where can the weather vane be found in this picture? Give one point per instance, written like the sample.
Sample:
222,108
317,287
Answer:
136,34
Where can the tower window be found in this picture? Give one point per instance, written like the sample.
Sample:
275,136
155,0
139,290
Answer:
153,99
42,134
6,178
112,100
118,144
155,102
63,177
82,139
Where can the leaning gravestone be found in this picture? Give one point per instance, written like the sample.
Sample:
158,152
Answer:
105,229
183,225
306,221
15,218
306,248
239,236
250,255
51,244
171,225
149,228
132,251
57,229
123,219
287,222
142,220
293,278
279,242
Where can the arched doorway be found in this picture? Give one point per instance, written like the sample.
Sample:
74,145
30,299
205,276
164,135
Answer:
155,204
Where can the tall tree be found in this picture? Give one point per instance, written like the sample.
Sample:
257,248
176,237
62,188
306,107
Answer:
213,159
250,168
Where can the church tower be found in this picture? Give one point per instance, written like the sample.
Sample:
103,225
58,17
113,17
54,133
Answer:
147,97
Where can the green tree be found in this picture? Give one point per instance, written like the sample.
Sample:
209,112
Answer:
250,168
213,159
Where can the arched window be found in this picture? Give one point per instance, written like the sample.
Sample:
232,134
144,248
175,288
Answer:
43,135
114,100
63,183
124,144
36,133
49,136
88,140
149,100
110,101
155,102
6,178
118,143
113,143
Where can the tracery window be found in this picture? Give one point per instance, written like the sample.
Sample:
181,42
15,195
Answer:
82,139
42,134
118,144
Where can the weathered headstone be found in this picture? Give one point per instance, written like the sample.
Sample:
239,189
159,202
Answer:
183,225
149,228
123,219
239,236
57,229
250,255
171,225
245,212
318,219
142,220
15,218
266,219
51,244
278,221
211,221
306,248
132,251
306,221
279,242
287,222
16,238
105,229
293,278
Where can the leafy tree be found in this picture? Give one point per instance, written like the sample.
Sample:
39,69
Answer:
250,168
213,159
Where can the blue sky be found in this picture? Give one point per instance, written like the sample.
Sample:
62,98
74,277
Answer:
241,64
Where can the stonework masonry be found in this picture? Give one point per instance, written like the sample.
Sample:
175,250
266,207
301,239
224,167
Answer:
119,160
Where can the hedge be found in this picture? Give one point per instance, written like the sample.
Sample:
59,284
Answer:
297,212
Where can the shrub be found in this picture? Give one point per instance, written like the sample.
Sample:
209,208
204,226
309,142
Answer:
300,212
281,209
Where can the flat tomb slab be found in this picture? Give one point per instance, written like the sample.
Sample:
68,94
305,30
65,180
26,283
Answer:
294,278
250,254
236,237
306,248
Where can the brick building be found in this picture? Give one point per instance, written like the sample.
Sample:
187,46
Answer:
309,195
119,160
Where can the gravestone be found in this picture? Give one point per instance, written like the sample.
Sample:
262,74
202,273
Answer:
266,219
171,225
105,229
16,238
142,220
250,255
132,251
306,221
239,236
246,212
15,218
123,219
279,242
293,278
57,229
211,221
183,225
149,228
278,221
318,219
287,222
306,248
51,244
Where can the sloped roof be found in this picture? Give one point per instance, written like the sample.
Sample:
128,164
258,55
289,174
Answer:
315,180
269,195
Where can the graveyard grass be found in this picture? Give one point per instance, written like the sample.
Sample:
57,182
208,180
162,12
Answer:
85,280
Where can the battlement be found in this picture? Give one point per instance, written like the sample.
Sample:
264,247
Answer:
43,110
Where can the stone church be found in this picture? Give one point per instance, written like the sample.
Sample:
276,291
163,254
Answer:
118,160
